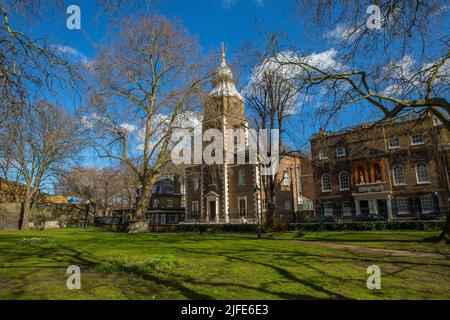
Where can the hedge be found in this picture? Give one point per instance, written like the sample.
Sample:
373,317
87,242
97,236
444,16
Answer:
323,226
370,226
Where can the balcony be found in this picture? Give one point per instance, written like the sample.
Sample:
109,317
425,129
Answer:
370,187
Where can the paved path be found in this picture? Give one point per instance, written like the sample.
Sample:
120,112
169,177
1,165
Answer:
389,252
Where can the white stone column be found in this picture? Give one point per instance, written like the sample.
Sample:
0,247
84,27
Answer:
357,209
389,207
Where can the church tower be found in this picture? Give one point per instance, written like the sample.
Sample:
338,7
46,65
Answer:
223,109
224,105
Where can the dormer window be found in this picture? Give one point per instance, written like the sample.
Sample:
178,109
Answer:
323,154
394,143
417,139
341,152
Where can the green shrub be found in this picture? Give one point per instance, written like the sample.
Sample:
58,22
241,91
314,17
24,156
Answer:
370,226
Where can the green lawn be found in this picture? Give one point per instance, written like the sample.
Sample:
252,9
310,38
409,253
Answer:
397,240
210,266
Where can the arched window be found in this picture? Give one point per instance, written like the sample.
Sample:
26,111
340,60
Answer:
399,175
422,173
344,181
326,183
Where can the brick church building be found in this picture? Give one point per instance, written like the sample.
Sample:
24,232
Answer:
233,193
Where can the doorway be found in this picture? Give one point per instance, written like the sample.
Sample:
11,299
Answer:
212,210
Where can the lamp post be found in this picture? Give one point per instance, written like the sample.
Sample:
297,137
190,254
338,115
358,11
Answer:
88,206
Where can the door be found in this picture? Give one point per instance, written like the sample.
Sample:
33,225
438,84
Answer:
364,206
382,208
212,211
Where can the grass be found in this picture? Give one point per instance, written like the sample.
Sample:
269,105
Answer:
211,266
422,241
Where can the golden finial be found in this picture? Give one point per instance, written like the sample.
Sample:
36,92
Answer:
223,52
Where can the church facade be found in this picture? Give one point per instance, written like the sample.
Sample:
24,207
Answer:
232,192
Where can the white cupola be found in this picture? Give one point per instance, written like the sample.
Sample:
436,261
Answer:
223,81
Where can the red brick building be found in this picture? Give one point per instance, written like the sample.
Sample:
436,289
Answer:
233,193
395,170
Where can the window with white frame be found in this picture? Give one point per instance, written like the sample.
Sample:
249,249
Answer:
427,205
341,152
344,181
286,181
417,139
422,173
155,203
169,203
326,183
287,205
323,154
241,177
402,206
242,206
196,183
399,175
394,143
328,209
346,208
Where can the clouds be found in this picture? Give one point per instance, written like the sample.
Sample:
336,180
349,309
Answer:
226,4
74,54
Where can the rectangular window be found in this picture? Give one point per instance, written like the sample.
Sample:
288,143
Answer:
287,205
323,154
328,209
196,183
427,205
241,177
155,203
394,143
417,139
264,204
242,206
403,207
286,181
169,203
340,152
195,208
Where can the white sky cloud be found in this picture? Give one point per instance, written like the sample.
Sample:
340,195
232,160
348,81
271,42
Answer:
229,3
74,53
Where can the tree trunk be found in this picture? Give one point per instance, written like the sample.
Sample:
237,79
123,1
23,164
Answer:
144,199
445,235
24,213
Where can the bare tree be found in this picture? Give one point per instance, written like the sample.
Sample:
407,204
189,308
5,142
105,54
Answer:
102,188
271,99
147,78
403,67
39,144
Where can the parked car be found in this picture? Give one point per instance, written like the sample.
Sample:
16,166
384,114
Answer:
370,217
328,218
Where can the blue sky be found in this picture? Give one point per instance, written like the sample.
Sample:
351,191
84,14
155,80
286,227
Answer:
213,21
